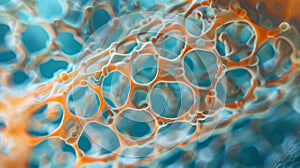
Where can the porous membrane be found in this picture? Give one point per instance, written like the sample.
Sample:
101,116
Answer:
159,83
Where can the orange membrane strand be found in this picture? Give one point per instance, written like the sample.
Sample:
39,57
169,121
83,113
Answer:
145,83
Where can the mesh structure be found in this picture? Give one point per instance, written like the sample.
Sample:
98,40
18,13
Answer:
158,83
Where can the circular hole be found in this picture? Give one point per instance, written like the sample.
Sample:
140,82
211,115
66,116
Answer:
135,124
200,67
98,140
83,101
235,40
194,25
144,68
171,100
52,153
35,38
115,89
45,120
238,83
170,44
140,98
200,20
